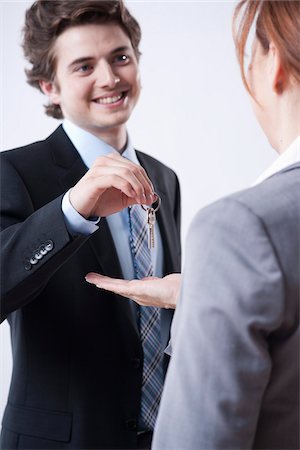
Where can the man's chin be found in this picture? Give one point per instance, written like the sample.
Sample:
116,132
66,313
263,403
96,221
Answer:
112,123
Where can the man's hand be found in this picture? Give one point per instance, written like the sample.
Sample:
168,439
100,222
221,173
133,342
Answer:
112,184
162,292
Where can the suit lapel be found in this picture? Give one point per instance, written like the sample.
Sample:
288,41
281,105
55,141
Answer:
69,165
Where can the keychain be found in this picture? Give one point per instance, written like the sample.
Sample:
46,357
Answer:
151,219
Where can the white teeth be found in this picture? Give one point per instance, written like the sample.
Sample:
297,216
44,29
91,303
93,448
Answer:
109,100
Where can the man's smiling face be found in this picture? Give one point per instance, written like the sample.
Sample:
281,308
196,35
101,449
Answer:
97,82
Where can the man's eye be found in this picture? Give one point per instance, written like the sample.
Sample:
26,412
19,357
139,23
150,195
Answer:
121,59
84,68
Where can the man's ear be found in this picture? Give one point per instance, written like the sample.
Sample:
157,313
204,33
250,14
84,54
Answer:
279,77
52,92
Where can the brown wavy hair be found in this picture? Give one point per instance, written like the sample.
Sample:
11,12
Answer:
45,20
277,21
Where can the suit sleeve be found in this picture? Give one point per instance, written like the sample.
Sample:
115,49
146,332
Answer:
231,300
34,243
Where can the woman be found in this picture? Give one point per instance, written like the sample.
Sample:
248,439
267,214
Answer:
233,379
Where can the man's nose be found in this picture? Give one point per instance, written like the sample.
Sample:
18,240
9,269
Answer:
106,78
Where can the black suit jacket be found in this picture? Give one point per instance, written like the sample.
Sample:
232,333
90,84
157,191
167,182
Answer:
77,356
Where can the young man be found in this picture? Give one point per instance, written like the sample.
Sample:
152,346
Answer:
80,378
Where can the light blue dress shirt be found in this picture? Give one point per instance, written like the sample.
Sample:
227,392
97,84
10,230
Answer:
89,148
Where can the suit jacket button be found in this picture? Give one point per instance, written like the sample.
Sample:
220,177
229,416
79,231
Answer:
131,424
27,264
42,250
136,363
49,245
37,255
33,260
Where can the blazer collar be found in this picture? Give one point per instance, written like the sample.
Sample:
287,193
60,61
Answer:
70,167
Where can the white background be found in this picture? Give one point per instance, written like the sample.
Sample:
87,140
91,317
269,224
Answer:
193,114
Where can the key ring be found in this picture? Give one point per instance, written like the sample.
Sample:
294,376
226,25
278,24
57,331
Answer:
155,209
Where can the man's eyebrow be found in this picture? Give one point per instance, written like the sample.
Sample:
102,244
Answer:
124,48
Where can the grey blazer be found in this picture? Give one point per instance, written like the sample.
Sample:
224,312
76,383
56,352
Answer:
233,380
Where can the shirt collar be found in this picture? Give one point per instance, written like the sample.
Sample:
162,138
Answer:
289,157
91,147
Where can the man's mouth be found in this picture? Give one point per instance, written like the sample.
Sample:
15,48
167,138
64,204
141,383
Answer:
109,100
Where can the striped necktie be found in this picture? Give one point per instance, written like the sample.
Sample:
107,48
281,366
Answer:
149,320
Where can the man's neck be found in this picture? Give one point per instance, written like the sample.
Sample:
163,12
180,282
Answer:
115,137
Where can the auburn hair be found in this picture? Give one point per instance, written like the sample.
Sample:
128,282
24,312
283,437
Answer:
277,21
45,20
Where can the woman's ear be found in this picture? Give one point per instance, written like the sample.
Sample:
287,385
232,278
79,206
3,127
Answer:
49,89
279,78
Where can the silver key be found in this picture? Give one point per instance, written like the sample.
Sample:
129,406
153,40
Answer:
151,223
151,218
